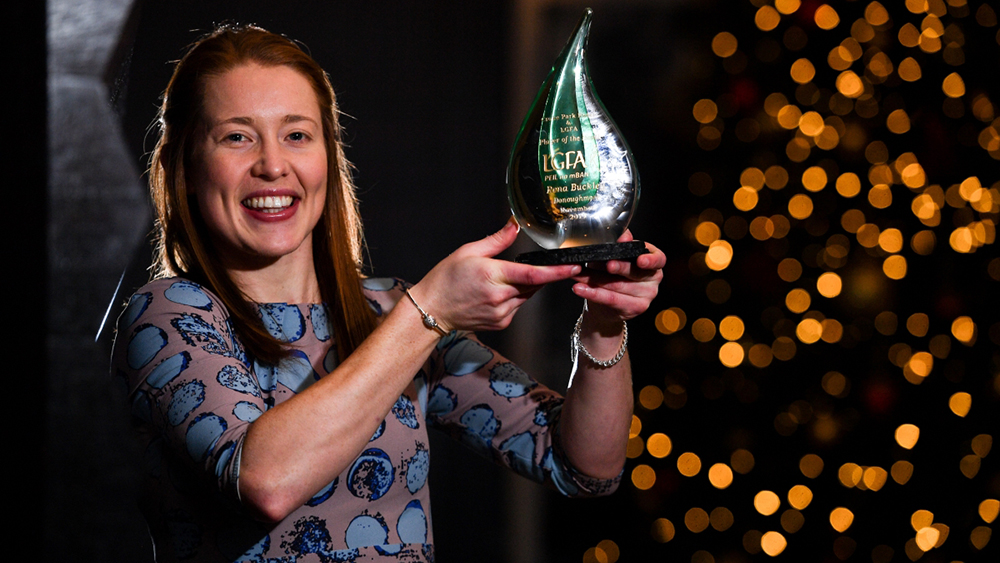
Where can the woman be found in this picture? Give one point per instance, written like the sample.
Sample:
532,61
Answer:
283,398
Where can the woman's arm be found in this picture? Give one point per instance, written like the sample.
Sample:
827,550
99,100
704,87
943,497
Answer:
297,447
598,409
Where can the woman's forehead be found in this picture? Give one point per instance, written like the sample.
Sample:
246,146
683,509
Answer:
253,92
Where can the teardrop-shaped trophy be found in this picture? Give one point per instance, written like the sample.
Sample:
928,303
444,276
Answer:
572,181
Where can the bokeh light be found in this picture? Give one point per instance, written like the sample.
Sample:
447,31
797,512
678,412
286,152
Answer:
720,475
907,435
659,445
829,343
643,477
841,519
800,496
773,543
688,464
766,502
696,520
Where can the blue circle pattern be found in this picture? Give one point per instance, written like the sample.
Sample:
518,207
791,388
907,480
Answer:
267,376
417,469
225,454
295,372
371,475
442,401
283,321
246,411
465,357
195,330
147,341
379,284
309,536
188,293
185,401
320,322
324,493
330,360
481,426
420,382
405,412
447,339
366,530
520,453
203,433
137,305
378,431
375,307
547,412
508,380
238,379
560,479
412,524
168,369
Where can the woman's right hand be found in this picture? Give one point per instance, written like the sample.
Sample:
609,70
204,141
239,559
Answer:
470,290
302,444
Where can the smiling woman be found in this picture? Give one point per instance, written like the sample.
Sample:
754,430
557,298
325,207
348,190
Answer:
184,238
284,399
259,172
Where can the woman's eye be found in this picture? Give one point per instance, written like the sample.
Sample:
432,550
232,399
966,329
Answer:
297,136
235,137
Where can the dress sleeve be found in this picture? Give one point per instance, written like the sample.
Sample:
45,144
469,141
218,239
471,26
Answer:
491,405
189,381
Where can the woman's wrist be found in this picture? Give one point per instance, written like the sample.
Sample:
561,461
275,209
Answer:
601,322
595,346
428,319
427,309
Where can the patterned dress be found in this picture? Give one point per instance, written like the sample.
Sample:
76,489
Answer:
194,391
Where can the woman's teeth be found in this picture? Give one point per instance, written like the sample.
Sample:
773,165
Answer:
269,204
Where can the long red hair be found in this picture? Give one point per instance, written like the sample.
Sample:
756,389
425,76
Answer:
182,245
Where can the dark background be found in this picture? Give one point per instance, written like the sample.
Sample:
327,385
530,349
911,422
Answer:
433,94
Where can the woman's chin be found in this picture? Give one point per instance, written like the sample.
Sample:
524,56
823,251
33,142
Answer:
261,256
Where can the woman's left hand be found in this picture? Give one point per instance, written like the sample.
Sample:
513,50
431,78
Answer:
598,408
617,290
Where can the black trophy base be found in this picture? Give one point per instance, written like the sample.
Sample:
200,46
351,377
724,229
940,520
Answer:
627,251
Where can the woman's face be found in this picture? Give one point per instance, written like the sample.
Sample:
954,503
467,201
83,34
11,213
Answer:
259,165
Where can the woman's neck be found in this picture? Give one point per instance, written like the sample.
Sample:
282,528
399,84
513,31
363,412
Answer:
289,279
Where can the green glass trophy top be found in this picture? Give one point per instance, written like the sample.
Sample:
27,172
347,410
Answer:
572,182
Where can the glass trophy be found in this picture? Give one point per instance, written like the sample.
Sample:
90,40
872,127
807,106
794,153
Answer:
572,181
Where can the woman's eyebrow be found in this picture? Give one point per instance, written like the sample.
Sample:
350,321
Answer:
242,120
239,120
293,118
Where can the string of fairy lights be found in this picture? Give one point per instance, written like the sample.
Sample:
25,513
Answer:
844,347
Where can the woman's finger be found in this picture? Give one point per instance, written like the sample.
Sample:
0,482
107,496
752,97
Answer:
624,305
654,260
621,283
528,275
644,267
493,244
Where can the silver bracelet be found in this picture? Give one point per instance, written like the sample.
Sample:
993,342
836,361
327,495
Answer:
576,346
429,321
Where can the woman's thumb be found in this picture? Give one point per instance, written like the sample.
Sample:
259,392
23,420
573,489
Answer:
495,243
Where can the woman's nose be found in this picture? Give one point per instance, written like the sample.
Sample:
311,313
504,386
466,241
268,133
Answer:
271,163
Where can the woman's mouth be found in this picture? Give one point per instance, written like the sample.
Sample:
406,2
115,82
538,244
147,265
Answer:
268,204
